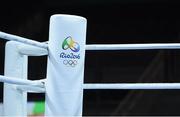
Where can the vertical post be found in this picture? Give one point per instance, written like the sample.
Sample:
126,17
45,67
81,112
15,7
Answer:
14,101
65,71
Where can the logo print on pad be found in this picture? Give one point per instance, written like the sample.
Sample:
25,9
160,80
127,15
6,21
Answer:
70,58
69,43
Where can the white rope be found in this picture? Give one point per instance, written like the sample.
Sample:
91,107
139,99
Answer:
17,81
40,83
31,50
133,86
23,40
30,89
96,46
133,46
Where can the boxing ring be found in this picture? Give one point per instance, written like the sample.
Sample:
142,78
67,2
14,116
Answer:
65,70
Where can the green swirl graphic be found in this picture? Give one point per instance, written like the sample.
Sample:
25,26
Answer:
70,43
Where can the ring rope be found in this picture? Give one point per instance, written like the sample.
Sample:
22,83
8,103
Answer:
96,46
11,37
133,86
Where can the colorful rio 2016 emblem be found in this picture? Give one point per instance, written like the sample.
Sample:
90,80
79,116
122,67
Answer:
70,43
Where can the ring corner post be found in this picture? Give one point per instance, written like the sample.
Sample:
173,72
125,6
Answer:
65,70
14,101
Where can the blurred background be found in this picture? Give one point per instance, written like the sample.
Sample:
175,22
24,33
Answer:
109,22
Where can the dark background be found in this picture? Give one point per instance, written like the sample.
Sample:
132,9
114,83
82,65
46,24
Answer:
109,22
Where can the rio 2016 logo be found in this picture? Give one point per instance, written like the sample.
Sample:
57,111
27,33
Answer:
70,43
70,59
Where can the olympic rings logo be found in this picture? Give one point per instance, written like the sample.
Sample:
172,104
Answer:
70,43
71,63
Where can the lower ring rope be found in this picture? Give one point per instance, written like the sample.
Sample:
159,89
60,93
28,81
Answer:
17,81
133,86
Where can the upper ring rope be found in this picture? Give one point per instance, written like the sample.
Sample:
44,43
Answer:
133,46
22,40
96,46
